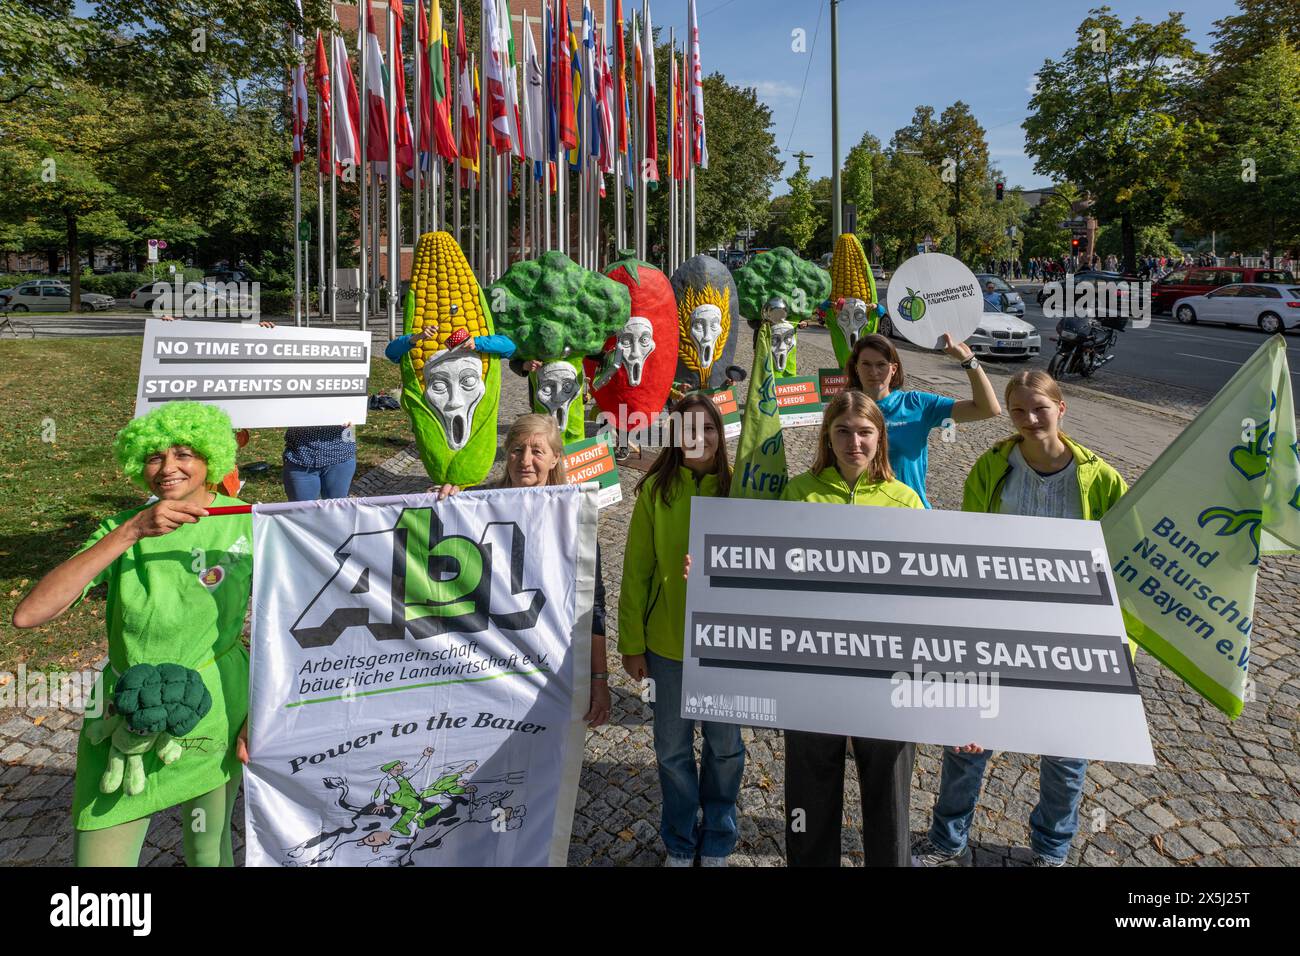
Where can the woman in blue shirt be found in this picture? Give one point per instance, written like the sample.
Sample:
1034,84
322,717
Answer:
875,367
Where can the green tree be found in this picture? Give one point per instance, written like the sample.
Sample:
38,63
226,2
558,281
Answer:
910,204
1250,184
1110,116
858,182
1043,235
800,224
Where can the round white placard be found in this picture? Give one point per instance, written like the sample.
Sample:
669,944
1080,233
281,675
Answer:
931,294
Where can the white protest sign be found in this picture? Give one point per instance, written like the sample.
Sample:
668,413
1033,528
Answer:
420,670
928,626
261,378
931,294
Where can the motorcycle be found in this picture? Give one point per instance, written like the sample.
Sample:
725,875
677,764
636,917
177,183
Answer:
1084,345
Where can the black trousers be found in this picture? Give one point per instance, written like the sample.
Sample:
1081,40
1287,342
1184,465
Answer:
814,798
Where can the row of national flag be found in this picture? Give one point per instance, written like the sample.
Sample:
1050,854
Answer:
576,95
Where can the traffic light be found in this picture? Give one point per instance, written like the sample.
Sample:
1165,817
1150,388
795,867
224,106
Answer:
1074,243
998,188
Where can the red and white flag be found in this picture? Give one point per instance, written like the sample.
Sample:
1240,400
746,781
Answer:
405,134
700,142
322,72
465,89
498,109
376,84
347,134
651,161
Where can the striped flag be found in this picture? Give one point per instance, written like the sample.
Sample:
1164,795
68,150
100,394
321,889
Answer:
437,104
465,92
376,84
347,132
322,72
651,170
405,133
568,126
699,142
299,79
620,78
512,87
498,117
607,146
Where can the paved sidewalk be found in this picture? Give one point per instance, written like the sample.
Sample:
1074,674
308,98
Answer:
1221,793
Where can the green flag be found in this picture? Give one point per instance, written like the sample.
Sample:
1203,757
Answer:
760,457
1185,543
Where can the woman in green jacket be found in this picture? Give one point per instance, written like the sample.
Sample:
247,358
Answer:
651,635
1041,472
851,467
178,588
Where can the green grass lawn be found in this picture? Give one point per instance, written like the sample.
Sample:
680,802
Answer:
64,400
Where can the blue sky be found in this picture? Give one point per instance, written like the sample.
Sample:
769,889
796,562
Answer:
896,55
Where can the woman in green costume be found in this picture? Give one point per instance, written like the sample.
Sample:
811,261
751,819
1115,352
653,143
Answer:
178,588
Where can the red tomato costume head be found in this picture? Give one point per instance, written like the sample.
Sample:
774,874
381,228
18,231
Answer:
637,373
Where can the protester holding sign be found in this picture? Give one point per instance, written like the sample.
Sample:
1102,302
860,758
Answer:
875,367
851,467
534,451
651,637
178,589
1038,472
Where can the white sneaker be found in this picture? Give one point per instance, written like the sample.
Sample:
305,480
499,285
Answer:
679,861
713,861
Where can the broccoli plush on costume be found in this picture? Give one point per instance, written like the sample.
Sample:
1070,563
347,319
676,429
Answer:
708,309
781,288
450,392
556,312
854,311
152,706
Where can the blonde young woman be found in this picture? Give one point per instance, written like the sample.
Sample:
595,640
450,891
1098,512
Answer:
851,468
1042,472
535,458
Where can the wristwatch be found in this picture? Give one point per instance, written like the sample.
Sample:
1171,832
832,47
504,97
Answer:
971,364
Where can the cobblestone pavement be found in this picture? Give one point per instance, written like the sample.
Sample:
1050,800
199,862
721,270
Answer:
1221,793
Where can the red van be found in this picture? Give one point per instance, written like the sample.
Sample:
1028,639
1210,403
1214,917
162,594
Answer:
1198,280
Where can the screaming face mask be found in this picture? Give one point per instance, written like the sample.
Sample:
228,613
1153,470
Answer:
851,317
557,387
453,387
782,342
635,343
706,326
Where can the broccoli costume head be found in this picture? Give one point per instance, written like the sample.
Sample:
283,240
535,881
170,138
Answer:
552,307
203,428
781,273
166,698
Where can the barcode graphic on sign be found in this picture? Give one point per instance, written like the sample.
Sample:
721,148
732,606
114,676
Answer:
748,705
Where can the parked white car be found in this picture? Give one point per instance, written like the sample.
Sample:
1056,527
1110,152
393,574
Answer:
1002,335
219,298
41,297
1273,307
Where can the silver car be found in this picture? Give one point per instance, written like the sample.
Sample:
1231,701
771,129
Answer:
1273,307
1015,304
40,297
1004,336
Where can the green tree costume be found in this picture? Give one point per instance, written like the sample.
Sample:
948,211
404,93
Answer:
176,598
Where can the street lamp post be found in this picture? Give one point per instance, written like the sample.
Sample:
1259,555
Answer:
836,195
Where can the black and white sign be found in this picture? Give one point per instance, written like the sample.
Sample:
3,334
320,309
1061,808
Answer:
927,626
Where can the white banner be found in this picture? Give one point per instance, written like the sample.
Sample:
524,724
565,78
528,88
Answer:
261,378
928,626
420,670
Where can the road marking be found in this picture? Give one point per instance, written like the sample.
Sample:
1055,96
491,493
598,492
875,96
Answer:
1222,361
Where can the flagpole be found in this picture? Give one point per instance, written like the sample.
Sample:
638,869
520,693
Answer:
297,196
642,119
484,166
523,165
394,175
671,258
455,166
361,171
416,210
334,196
320,240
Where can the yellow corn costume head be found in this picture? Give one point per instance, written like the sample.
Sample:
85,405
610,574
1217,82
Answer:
450,392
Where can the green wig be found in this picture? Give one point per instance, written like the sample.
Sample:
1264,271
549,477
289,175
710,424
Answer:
203,428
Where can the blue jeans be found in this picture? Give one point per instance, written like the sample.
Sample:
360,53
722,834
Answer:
310,484
689,792
1053,823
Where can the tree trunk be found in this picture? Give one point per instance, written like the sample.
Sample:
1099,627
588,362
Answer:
52,260
74,263
1128,240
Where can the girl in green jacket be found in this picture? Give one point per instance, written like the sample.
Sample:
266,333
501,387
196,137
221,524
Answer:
1041,472
651,635
852,467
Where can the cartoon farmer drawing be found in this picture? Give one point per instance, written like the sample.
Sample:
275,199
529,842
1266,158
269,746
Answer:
395,788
